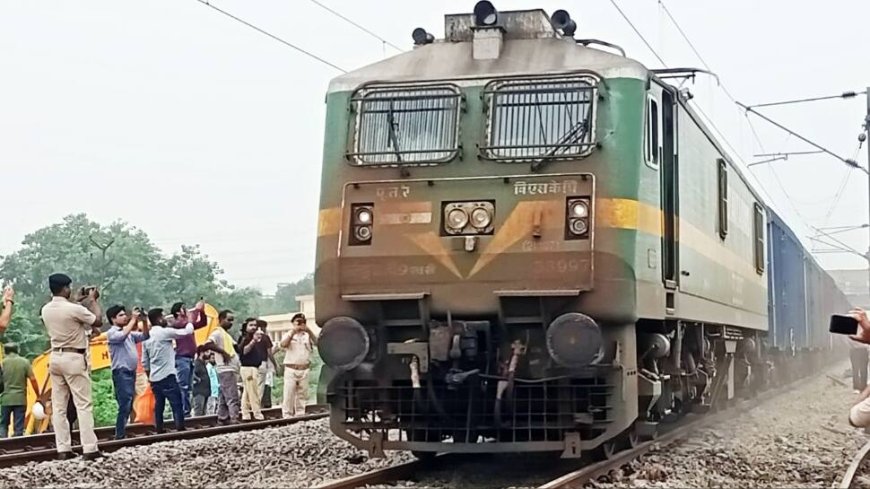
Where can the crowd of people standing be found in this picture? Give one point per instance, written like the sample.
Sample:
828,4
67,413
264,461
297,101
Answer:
229,377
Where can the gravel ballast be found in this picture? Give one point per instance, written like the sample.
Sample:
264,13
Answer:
299,455
799,439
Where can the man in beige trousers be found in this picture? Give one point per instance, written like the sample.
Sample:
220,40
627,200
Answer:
69,325
298,343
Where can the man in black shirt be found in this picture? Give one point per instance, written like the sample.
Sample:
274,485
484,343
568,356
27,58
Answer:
251,355
267,368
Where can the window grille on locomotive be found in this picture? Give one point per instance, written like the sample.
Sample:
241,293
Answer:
534,120
398,126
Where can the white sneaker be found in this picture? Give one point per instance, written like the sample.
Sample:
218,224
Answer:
856,391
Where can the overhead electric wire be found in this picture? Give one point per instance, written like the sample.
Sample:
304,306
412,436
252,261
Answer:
358,26
713,125
630,23
696,106
273,36
847,161
692,45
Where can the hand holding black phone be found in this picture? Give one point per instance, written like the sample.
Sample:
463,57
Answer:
843,324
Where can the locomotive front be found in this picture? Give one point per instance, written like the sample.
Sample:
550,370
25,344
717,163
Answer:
475,263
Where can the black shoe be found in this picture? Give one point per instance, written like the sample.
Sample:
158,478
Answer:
90,457
66,455
180,428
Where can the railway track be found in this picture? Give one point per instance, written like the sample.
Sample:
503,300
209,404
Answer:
586,472
860,466
41,447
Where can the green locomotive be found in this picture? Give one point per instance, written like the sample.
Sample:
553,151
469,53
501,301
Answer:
527,243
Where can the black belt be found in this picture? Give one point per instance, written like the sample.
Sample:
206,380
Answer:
80,351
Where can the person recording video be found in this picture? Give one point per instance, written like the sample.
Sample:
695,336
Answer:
859,414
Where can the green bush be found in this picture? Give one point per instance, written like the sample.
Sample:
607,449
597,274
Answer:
105,406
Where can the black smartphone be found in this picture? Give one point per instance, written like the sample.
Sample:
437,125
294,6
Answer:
841,324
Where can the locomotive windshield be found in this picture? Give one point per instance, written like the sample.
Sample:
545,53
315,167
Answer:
406,125
537,120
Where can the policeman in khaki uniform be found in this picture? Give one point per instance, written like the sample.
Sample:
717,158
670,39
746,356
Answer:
298,344
69,325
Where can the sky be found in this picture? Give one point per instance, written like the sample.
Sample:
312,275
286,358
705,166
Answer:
100,99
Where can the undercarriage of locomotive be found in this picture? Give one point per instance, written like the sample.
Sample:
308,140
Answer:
522,382
689,367
503,384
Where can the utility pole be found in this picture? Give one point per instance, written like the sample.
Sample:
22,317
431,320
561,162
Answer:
867,142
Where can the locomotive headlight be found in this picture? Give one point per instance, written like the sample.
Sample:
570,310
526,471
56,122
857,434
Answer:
577,215
480,218
457,219
578,226
579,208
467,218
363,233
364,216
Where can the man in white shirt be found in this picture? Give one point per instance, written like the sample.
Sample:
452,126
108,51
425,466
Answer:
158,358
298,343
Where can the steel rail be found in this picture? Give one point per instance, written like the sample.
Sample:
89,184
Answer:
682,429
852,471
20,450
384,475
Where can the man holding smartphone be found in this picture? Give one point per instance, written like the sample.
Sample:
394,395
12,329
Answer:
68,324
859,415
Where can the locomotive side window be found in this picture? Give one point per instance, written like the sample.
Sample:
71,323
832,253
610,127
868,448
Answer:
653,137
537,120
723,197
406,125
758,237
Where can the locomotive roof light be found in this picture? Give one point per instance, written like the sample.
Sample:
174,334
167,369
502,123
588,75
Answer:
421,37
343,343
480,218
562,21
574,340
485,14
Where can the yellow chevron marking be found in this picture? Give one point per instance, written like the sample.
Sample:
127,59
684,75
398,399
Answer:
328,221
647,218
517,226
628,214
432,244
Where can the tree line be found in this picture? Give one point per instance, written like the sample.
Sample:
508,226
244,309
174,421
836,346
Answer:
129,269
